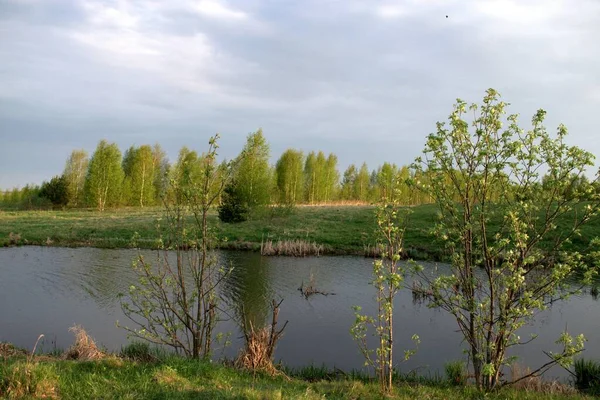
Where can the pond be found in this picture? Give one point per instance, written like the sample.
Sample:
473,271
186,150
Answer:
47,290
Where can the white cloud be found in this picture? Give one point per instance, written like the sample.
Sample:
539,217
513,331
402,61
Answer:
119,36
105,15
216,9
390,11
534,14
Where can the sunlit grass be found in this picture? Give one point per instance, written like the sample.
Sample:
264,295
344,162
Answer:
339,229
178,378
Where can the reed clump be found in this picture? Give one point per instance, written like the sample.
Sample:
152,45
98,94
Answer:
260,344
535,383
84,348
294,248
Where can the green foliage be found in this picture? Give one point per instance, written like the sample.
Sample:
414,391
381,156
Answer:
176,304
139,184
348,182
75,171
361,184
511,252
456,373
56,191
160,171
289,177
386,180
183,175
104,178
26,198
321,177
233,208
252,174
388,276
587,376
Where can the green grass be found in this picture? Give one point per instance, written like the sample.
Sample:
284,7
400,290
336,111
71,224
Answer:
343,229
340,229
178,378
587,376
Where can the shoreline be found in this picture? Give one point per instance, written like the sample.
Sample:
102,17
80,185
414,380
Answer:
148,374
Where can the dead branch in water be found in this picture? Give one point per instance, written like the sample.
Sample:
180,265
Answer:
419,293
311,289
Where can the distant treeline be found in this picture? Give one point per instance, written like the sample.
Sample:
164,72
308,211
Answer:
143,176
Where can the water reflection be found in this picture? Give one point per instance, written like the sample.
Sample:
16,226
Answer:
46,290
246,290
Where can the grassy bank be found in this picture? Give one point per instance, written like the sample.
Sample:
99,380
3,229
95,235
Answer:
338,229
177,378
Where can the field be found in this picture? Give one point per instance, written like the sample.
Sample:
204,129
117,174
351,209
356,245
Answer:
340,229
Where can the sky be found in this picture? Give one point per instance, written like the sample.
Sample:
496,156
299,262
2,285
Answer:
366,80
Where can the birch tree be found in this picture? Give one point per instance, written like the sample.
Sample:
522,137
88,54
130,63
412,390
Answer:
75,171
105,176
252,174
290,177
139,169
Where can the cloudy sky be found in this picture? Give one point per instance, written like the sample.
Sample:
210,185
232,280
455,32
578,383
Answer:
364,79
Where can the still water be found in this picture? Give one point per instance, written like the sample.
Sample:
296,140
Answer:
47,290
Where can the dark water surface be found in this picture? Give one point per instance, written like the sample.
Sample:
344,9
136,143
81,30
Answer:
47,290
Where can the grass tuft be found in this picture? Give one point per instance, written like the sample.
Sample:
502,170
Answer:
141,352
587,376
456,373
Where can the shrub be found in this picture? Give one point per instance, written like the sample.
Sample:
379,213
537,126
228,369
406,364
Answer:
232,208
56,191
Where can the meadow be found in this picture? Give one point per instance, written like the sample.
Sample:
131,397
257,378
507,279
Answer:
338,229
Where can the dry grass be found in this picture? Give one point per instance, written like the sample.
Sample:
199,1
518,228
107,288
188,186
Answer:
260,344
7,350
537,384
255,354
373,251
294,248
14,239
336,203
85,348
